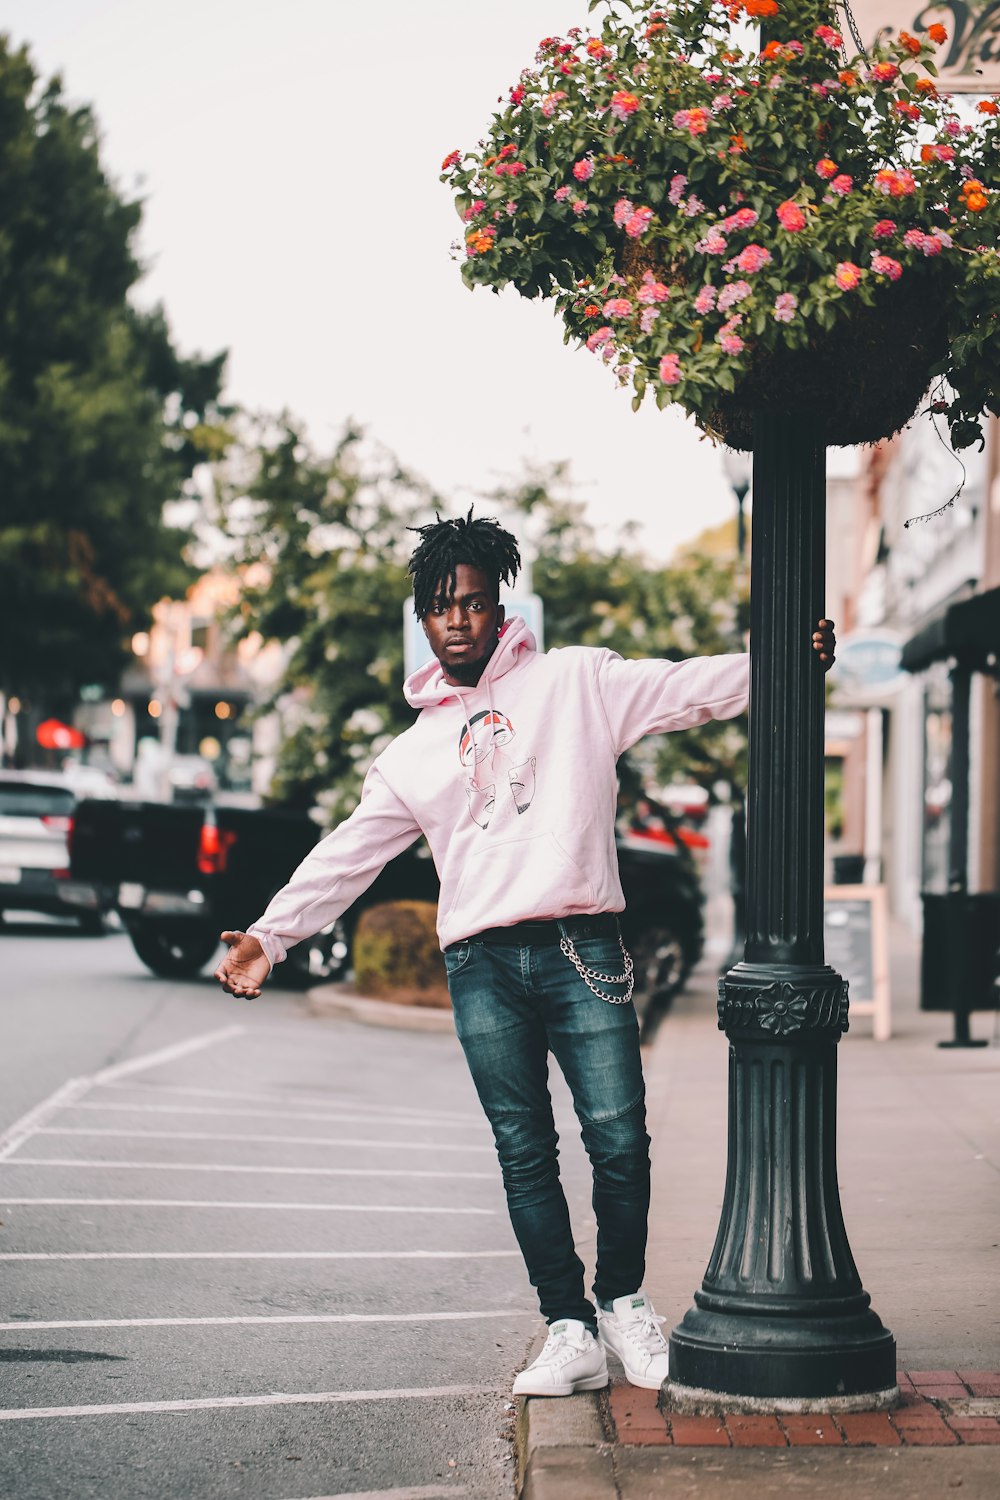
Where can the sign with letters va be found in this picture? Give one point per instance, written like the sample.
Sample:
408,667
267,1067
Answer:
968,62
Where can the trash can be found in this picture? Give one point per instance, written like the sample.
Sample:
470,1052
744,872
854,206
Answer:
959,961
848,869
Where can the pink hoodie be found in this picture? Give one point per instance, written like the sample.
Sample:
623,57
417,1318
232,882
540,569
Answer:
512,781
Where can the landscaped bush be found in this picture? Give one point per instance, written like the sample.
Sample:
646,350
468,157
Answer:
397,957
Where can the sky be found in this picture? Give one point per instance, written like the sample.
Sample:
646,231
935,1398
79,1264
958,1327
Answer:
288,154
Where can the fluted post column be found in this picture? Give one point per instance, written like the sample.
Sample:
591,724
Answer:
781,1314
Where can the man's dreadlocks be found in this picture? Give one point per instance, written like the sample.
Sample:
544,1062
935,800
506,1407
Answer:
444,545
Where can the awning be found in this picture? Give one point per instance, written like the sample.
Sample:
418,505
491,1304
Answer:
969,632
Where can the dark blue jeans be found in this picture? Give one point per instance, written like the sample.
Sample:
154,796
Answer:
512,1007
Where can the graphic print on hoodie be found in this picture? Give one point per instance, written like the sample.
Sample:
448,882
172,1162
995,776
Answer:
482,738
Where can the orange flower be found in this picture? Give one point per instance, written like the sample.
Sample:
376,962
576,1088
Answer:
976,202
911,43
772,50
927,153
926,86
847,78
762,8
737,143
937,33
988,107
592,310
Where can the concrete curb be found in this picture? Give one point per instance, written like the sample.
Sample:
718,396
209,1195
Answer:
563,1452
337,1000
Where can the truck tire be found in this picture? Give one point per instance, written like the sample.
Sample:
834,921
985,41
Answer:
174,953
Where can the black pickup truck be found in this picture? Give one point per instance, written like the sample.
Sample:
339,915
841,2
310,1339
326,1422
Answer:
179,875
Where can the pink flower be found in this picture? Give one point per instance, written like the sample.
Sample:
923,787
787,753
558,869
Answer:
944,237
826,168
743,218
735,291
670,369
648,318
561,194
884,265
677,186
599,338
931,245
847,275
705,300
653,291
623,104
795,47
693,206
637,223
693,120
509,168
474,208
884,229
842,184
952,128
623,211
551,102
580,206
722,101
731,342
829,37
618,307
914,238
820,89
583,170
884,72
713,243
791,216
753,258
785,306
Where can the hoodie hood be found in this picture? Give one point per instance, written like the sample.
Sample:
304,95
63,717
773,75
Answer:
426,686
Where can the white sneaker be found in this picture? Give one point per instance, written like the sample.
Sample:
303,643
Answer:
572,1360
631,1330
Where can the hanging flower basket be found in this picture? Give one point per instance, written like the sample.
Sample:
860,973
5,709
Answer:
739,230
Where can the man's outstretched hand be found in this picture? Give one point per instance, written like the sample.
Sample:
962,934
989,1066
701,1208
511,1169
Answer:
245,966
825,642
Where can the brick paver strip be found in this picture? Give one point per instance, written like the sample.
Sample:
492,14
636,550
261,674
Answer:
976,1429
701,1432
813,1431
919,1421
755,1432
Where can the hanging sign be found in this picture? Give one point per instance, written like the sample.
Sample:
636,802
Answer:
968,62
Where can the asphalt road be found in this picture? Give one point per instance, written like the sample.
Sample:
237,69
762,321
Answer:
245,1253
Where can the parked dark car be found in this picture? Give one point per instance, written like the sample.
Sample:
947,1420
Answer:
179,875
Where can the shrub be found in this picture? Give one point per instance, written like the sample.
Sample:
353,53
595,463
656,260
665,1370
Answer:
397,957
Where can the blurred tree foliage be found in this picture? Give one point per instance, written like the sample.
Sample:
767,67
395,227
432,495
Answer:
322,546
101,421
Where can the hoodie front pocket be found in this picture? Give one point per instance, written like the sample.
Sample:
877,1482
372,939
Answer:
518,879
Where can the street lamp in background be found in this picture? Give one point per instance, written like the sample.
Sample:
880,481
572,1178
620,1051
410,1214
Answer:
738,468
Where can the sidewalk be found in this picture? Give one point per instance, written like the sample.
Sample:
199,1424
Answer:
919,1161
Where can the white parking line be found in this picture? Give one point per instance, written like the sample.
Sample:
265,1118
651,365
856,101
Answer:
229,1113
15,1135
431,1317
257,1254
278,1140
273,1398
203,1166
403,1110
408,1492
321,1208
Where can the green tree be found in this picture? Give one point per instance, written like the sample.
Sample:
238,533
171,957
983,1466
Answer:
321,546
101,421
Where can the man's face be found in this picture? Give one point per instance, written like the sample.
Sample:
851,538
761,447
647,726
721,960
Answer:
463,627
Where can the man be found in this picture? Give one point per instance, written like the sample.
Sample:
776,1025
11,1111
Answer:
510,772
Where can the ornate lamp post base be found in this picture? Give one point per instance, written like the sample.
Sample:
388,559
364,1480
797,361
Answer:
781,1317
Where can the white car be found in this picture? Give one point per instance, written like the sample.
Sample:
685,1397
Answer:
36,823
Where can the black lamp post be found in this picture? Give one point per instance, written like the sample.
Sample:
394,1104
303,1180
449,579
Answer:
781,1313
